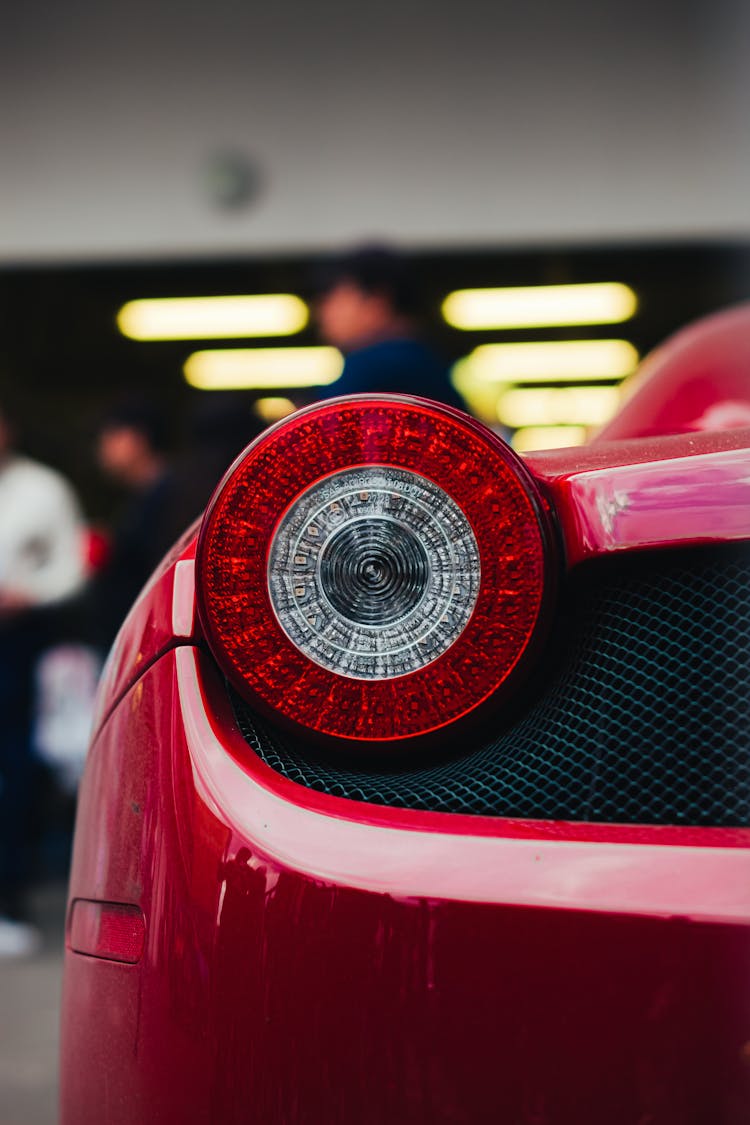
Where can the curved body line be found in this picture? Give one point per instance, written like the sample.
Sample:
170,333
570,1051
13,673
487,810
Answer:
695,882
685,500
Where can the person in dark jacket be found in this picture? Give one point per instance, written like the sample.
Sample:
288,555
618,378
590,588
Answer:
132,450
367,304
165,494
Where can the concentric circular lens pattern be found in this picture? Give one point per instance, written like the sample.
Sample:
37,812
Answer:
374,572
374,568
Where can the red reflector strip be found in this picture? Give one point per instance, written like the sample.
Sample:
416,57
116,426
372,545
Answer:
115,931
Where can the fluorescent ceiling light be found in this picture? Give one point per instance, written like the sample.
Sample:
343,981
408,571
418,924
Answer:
480,398
238,368
540,306
213,318
273,407
551,406
571,361
547,437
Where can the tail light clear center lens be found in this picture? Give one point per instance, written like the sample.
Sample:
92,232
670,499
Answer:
375,568
374,572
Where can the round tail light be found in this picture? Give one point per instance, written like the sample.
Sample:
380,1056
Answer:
374,568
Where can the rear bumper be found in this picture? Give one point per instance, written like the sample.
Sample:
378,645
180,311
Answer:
310,959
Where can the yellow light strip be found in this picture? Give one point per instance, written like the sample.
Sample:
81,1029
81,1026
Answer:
213,318
238,368
273,407
540,306
547,437
571,361
552,406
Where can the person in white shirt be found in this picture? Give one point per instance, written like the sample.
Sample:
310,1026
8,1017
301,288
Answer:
41,560
41,564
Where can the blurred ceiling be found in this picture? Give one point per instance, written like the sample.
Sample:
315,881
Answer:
154,129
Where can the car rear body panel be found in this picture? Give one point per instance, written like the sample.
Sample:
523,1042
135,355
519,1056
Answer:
292,973
310,957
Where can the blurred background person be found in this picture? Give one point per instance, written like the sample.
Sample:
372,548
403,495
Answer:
132,449
218,428
367,304
165,494
41,565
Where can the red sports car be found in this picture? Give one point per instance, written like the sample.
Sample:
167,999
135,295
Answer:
420,785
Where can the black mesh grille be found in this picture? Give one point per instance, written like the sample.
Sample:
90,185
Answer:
642,718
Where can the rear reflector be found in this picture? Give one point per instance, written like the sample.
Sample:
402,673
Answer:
112,930
374,568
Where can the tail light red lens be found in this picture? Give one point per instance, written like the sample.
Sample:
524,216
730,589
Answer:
374,568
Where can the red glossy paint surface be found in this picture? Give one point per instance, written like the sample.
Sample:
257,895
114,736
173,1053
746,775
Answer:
270,992
632,495
697,380
310,959
161,616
